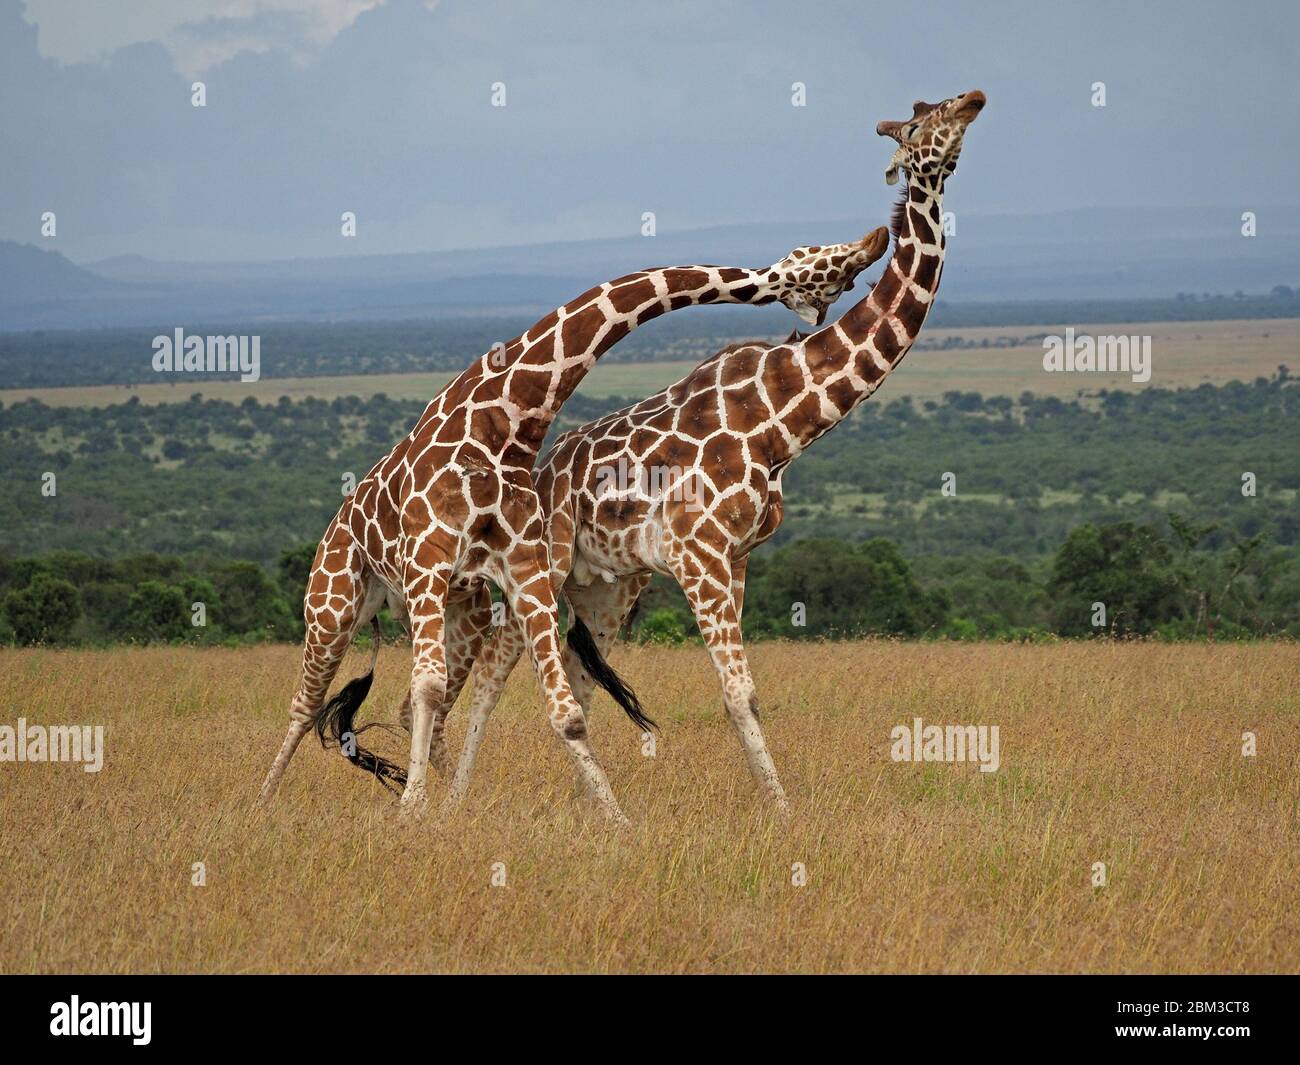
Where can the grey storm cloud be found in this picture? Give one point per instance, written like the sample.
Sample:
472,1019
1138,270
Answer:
316,107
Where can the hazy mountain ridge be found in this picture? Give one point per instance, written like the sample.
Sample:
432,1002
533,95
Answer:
1084,253
29,274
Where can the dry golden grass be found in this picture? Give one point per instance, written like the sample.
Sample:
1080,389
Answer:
1124,754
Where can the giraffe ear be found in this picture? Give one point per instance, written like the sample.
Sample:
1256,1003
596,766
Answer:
874,245
895,164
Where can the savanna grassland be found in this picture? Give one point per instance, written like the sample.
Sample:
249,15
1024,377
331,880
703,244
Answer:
990,360
1124,753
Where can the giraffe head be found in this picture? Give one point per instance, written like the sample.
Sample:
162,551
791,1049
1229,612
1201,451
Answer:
930,141
809,280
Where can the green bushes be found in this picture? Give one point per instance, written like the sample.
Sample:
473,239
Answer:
1148,583
1107,580
69,598
817,588
44,611
197,520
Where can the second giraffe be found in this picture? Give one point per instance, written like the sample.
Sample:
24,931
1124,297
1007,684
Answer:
730,430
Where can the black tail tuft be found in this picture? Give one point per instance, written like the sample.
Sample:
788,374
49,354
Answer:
334,725
594,663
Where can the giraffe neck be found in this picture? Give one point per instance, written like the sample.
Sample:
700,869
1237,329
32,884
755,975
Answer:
848,359
536,372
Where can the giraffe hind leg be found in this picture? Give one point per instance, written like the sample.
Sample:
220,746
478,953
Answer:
466,626
336,726
333,616
499,658
597,611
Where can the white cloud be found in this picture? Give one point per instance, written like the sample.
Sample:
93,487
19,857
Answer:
199,34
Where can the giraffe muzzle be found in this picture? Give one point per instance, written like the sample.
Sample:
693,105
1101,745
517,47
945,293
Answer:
810,314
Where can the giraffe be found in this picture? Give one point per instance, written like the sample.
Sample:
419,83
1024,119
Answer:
722,438
452,506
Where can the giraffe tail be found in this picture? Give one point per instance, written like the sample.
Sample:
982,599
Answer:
582,644
334,726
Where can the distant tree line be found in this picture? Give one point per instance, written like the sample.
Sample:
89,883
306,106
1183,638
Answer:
204,477
1110,580
80,357
1117,580
1176,510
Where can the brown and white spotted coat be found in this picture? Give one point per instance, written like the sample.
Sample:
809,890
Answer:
452,506
720,440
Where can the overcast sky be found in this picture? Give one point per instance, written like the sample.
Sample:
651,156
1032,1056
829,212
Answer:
315,107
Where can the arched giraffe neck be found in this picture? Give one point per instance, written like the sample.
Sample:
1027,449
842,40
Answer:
529,378
848,359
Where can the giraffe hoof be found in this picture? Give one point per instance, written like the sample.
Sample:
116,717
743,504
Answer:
414,803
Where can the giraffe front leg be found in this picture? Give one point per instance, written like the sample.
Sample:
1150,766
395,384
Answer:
427,579
739,568
428,688
708,586
467,628
526,583
499,658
